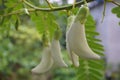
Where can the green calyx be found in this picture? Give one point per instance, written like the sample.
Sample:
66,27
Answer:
70,20
57,33
45,39
82,14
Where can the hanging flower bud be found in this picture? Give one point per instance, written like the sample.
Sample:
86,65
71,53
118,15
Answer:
45,39
57,34
73,56
82,14
56,50
76,37
70,20
46,60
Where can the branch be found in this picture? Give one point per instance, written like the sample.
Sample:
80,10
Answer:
34,8
68,7
49,4
74,3
116,3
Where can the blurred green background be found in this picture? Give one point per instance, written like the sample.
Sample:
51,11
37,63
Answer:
21,48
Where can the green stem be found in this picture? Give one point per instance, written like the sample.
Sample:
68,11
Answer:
49,4
74,4
104,10
116,3
68,7
85,2
34,8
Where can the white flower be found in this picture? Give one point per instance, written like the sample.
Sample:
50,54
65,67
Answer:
76,41
46,62
56,54
73,56
51,56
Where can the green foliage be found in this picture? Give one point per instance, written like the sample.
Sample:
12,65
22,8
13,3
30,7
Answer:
116,10
44,22
20,46
65,74
18,52
92,69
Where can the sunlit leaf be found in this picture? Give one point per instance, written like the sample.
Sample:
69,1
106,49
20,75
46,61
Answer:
45,21
116,10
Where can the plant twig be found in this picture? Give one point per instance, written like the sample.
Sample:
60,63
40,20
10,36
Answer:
49,4
85,2
67,7
34,8
104,10
74,4
55,8
116,3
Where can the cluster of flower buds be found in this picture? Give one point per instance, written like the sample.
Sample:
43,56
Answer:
51,55
76,43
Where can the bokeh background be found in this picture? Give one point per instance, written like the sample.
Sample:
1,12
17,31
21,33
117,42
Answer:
20,49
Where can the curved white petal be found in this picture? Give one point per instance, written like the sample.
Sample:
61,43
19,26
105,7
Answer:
56,54
46,62
76,39
73,56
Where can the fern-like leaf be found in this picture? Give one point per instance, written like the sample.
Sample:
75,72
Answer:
92,69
